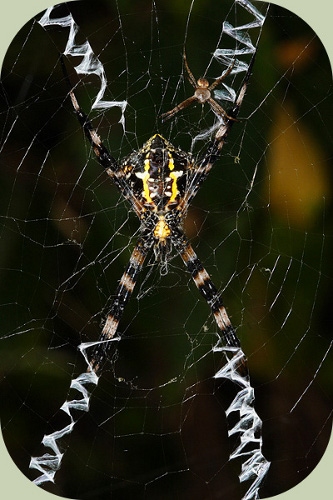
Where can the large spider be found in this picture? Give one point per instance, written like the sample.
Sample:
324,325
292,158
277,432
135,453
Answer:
160,181
202,94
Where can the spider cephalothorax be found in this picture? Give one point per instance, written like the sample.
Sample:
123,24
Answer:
160,182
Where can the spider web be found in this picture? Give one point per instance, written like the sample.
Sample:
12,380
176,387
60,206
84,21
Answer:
260,224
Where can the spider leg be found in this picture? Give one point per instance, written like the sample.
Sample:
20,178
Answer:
207,288
190,76
106,160
199,173
235,110
182,105
103,156
122,296
221,78
219,110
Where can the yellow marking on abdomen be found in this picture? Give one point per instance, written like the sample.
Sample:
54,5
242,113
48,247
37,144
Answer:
144,176
145,183
162,230
174,189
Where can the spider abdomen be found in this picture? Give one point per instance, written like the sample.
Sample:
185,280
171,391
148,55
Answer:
202,94
157,174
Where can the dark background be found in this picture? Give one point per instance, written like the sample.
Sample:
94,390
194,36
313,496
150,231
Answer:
66,236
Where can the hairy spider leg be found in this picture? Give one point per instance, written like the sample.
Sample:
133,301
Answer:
199,173
187,102
104,157
190,76
222,77
179,107
122,296
219,110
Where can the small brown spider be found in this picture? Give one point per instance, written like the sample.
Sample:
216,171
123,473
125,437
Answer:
202,94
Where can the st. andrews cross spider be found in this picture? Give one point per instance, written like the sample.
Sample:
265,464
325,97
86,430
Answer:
160,181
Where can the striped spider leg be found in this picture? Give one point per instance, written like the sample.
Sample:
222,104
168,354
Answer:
122,296
206,287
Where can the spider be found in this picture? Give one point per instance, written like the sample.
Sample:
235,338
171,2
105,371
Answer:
202,94
160,181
